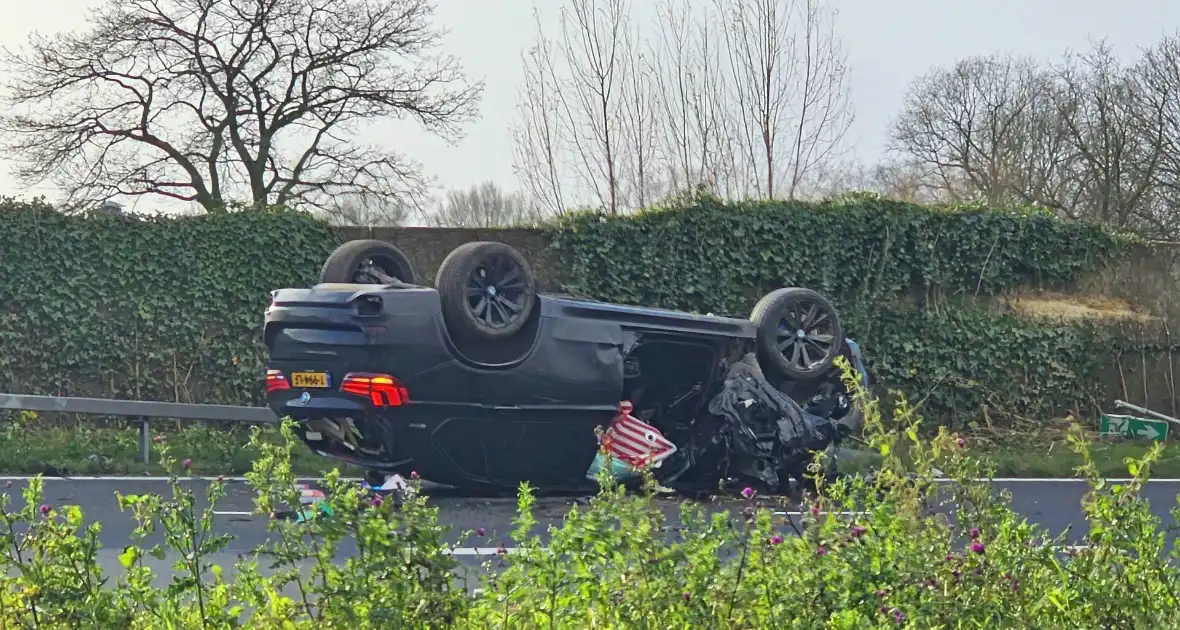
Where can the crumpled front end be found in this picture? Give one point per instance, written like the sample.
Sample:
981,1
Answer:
765,433
749,432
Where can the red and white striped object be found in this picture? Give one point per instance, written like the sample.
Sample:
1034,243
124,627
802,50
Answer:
635,442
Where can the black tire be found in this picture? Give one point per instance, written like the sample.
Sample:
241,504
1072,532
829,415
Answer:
367,262
816,328
487,289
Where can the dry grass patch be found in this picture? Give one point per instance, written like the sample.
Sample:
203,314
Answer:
1058,306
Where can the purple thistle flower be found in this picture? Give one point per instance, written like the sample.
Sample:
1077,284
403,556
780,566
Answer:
377,501
961,442
188,463
481,532
748,492
44,509
815,510
776,540
687,596
974,533
858,531
821,551
898,616
977,547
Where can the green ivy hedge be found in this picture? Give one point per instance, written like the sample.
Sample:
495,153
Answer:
170,307
164,308
901,274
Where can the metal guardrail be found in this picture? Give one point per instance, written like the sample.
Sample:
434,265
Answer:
1148,412
141,410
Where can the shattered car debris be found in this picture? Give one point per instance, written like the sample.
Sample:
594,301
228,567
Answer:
484,382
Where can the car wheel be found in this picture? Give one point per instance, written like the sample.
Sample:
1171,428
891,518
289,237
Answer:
487,289
799,333
367,262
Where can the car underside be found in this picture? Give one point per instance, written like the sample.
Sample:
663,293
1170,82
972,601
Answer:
386,374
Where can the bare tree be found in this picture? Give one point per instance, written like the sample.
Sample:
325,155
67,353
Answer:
1116,135
789,81
356,209
693,143
483,206
641,122
537,136
205,99
991,121
1157,84
891,178
585,81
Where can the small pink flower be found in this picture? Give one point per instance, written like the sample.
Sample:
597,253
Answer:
898,616
44,509
748,492
961,442
413,474
815,510
977,547
822,551
157,439
950,556
687,596
376,502
858,531
481,532
776,540
220,479
501,550
188,463
974,533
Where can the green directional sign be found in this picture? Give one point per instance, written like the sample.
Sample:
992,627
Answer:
1132,427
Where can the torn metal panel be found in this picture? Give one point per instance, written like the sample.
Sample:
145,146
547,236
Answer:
764,431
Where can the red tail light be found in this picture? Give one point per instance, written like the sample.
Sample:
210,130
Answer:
276,382
382,389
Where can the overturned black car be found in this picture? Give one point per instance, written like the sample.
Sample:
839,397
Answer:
484,382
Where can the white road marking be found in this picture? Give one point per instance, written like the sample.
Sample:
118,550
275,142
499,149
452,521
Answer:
221,513
486,551
821,512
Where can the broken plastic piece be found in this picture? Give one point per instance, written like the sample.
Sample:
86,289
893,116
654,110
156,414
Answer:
634,441
631,444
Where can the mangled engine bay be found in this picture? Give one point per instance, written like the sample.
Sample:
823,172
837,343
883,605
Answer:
725,418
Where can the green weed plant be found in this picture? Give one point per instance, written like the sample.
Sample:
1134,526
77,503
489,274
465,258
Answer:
902,547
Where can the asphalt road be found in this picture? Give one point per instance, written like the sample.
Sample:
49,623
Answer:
1054,504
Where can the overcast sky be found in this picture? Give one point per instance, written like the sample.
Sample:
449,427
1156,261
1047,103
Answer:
888,43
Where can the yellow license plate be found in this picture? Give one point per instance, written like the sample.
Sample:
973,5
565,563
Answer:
309,379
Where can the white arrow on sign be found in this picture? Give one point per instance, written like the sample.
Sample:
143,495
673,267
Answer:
1118,425
1149,431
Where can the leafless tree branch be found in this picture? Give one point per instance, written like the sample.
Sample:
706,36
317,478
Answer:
484,206
200,99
